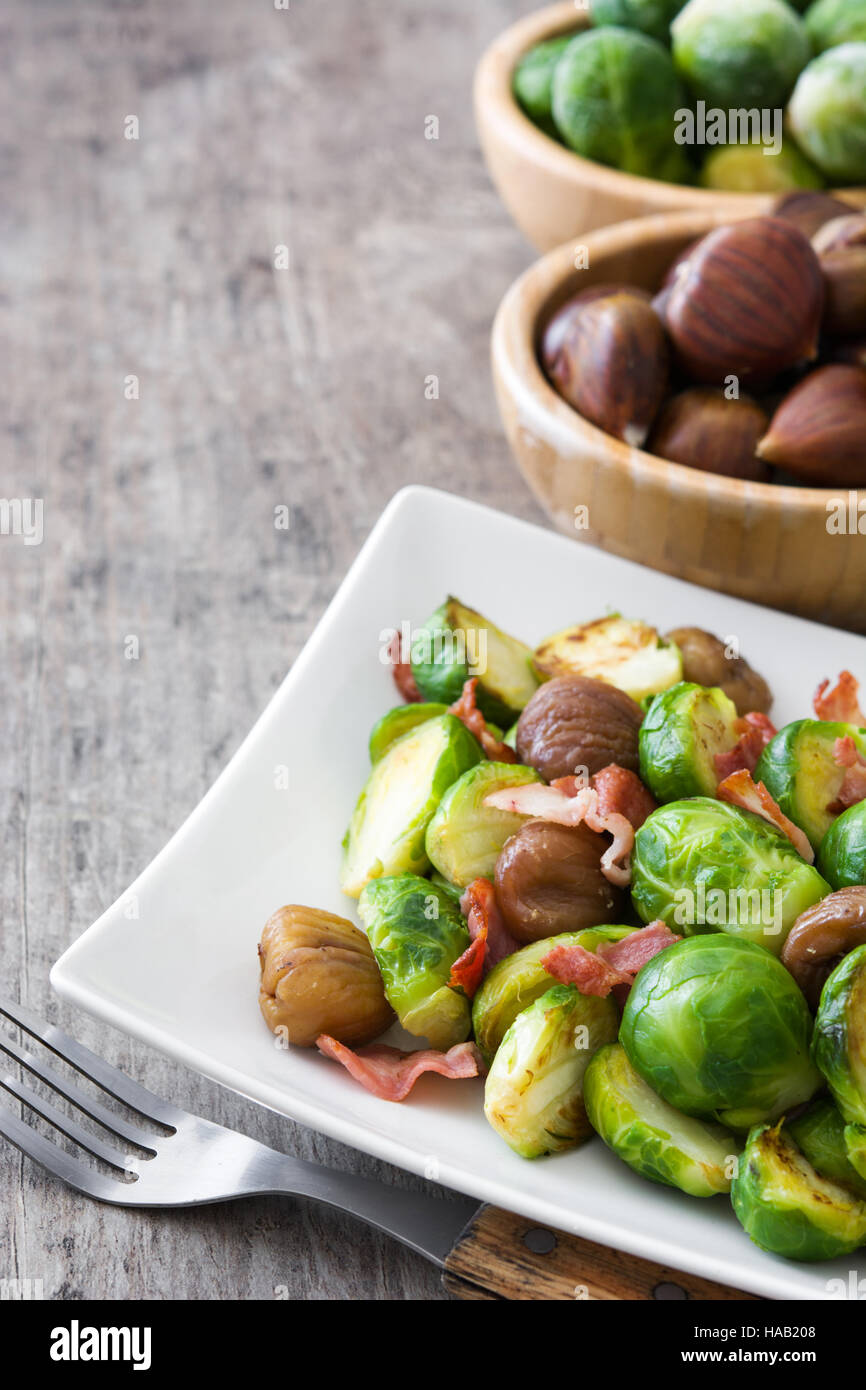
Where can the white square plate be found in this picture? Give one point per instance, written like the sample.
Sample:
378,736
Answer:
173,961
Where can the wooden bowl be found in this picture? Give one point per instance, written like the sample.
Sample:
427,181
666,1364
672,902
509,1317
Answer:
760,541
552,193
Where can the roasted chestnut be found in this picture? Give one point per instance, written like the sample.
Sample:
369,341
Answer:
574,723
821,936
706,662
549,880
707,431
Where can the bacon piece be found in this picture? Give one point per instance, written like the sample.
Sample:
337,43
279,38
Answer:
467,711
390,1074
842,703
741,790
621,792
565,802
853,788
467,971
481,910
755,732
402,672
612,964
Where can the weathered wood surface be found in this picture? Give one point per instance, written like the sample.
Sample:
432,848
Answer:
257,386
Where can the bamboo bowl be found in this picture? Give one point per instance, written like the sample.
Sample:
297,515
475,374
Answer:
761,541
552,193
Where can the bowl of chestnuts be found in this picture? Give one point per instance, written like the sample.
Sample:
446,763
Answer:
689,392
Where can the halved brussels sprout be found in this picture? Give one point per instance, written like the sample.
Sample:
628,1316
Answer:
705,865
800,772
717,1026
839,1043
520,979
855,1150
533,80
456,643
786,1207
842,854
649,1135
465,837
533,1096
684,729
386,832
398,722
820,1134
620,651
417,932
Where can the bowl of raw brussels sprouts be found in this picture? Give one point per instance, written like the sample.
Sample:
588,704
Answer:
578,112
595,874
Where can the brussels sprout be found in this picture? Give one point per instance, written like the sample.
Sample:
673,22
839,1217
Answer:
533,79
855,1150
649,1135
534,1092
465,837
451,889
386,832
740,53
788,1208
842,854
615,95
799,770
511,736
417,932
827,113
520,979
751,169
619,651
820,1134
456,643
684,729
704,865
398,722
716,1025
831,22
652,17
839,1044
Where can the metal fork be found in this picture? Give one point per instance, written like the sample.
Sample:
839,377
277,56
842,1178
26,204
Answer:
199,1161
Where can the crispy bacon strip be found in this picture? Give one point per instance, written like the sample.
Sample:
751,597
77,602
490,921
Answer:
842,703
469,714
481,910
401,670
755,732
467,971
390,1074
621,792
563,805
853,788
740,789
613,964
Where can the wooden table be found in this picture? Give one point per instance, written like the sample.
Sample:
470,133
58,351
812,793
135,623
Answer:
154,259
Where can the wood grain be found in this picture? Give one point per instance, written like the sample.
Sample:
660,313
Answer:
503,1256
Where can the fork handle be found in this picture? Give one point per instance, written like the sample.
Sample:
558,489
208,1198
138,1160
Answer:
503,1256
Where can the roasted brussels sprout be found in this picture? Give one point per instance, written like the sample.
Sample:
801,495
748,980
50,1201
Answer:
624,653
839,1043
717,1027
819,1133
842,853
787,1207
800,772
684,729
704,865
398,722
456,643
574,724
319,975
387,830
520,979
649,1135
549,880
534,1092
827,113
855,1150
706,661
465,837
417,932
739,53
533,80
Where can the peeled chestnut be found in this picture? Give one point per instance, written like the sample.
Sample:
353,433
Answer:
819,430
705,430
575,723
746,303
841,249
612,362
808,210
549,880
706,662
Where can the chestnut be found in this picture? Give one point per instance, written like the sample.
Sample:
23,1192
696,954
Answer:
808,210
707,431
819,430
841,249
575,722
706,662
557,327
549,880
